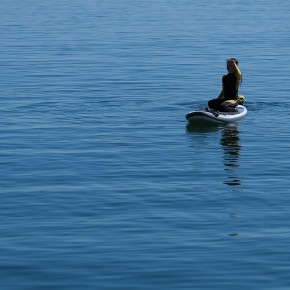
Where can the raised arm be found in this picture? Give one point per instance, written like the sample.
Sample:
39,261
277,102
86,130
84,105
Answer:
237,73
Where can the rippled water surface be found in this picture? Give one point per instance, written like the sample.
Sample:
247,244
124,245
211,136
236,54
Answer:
104,185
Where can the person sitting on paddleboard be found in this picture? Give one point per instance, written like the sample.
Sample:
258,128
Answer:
228,98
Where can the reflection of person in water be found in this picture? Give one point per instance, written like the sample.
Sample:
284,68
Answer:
230,142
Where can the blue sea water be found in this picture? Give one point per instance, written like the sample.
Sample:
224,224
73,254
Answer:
104,185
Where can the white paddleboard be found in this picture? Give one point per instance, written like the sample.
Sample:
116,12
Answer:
210,115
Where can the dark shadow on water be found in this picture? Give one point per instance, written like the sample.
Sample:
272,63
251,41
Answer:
230,142
203,127
231,147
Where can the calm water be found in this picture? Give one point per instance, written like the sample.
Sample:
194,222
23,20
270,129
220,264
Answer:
103,183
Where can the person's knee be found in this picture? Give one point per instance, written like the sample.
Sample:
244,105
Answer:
211,103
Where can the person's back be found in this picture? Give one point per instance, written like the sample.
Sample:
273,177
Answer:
228,98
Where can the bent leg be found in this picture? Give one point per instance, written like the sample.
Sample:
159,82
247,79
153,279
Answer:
215,104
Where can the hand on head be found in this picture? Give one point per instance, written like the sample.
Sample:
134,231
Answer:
232,60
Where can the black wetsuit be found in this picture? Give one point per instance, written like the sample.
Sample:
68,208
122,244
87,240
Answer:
230,92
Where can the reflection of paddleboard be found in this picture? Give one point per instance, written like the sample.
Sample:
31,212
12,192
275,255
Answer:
216,116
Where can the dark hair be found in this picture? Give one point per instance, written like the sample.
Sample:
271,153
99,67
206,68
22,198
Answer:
235,60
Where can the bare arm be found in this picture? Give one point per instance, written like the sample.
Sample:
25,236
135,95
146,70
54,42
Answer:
237,72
